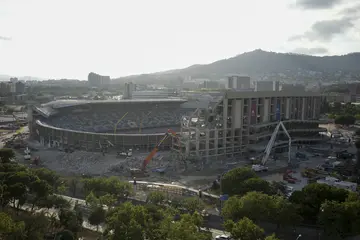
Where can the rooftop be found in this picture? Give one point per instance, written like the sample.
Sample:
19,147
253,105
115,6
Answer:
71,102
261,94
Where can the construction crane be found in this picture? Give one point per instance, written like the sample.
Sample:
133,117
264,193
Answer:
272,142
18,122
156,148
142,171
117,123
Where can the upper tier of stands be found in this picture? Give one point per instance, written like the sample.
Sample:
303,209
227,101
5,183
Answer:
106,121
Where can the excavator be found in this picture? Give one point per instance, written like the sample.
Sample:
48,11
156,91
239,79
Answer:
136,172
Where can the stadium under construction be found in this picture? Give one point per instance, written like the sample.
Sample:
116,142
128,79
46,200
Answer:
231,124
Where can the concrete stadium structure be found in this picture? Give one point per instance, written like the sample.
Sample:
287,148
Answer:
227,124
88,124
242,122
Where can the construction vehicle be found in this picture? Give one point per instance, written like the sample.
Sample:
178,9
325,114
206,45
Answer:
36,161
128,153
135,172
271,143
331,181
287,176
259,168
27,153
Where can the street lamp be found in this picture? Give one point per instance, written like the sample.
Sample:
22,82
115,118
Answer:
298,237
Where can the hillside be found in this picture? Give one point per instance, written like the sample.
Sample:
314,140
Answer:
260,62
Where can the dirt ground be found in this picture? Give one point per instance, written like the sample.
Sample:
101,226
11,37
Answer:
96,164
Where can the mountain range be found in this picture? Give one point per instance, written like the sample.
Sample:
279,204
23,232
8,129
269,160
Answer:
259,62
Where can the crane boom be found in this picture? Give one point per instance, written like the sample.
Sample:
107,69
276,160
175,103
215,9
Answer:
156,148
272,142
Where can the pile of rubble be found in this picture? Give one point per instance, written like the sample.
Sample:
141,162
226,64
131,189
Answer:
78,162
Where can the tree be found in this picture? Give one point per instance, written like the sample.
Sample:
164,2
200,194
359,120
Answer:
310,198
193,204
186,228
261,207
340,220
113,186
8,226
41,190
271,237
6,154
126,222
36,225
244,229
156,198
97,216
71,220
230,182
49,176
345,120
108,200
92,200
254,205
357,165
256,184
73,186
284,213
65,235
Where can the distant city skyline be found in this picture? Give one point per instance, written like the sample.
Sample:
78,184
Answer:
69,39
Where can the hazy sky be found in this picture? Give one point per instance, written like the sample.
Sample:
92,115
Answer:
70,38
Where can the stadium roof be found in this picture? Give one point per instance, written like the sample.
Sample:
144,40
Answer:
71,102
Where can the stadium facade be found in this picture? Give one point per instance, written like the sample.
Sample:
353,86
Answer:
228,124
244,121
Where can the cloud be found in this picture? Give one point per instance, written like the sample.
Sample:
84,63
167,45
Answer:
326,30
311,51
5,38
351,12
317,4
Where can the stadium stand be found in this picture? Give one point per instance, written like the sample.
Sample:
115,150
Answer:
104,122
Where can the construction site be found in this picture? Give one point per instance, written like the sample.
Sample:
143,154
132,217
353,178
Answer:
277,134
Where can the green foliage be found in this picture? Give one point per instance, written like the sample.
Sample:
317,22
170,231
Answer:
97,216
71,219
271,237
108,200
310,198
261,207
156,198
340,220
231,181
6,154
256,184
193,204
92,200
244,229
151,222
345,120
65,235
112,185
9,227
127,222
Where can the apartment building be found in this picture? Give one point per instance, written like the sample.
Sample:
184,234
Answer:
244,121
96,80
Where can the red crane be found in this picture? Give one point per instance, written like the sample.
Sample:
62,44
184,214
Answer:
156,148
